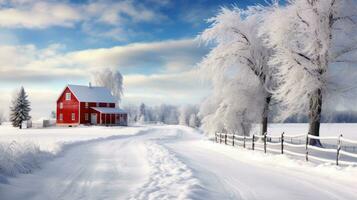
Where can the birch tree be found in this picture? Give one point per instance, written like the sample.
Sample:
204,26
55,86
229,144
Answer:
315,45
113,80
239,55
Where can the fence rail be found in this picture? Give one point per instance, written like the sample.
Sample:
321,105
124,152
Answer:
287,141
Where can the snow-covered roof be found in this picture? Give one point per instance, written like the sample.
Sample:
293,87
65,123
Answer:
109,110
92,94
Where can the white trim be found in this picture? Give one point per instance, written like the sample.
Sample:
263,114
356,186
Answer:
68,96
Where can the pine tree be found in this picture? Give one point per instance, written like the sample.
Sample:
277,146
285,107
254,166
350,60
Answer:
20,109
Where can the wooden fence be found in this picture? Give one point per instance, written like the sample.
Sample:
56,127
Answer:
282,141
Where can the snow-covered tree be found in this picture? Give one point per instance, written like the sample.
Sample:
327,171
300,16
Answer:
111,79
142,113
238,61
53,114
231,108
194,121
315,53
167,114
183,115
2,116
20,109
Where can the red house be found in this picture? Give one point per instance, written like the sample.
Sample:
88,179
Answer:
79,104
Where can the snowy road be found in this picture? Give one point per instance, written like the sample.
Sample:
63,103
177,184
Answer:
168,163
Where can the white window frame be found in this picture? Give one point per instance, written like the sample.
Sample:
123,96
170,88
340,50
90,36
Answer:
86,105
61,117
68,96
61,105
73,116
86,116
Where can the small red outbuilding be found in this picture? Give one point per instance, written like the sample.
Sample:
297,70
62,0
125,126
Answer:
79,104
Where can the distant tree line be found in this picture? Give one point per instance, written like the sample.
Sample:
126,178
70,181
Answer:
164,113
335,117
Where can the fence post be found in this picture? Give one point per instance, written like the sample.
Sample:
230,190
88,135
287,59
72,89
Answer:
282,143
215,137
265,142
220,138
306,148
225,138
253,142
243,141
233,140
338,149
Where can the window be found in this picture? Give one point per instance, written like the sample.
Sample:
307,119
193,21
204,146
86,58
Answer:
108,104
61,105
97,104
86,116
61,117
73,116
68,96
86,105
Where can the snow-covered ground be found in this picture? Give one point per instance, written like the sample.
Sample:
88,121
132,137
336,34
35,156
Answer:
162,162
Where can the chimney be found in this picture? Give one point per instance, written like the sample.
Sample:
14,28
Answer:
90,85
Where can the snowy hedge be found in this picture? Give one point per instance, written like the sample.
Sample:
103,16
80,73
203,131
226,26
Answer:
18,158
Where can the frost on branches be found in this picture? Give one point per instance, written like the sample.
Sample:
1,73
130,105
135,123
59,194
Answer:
113,80
315,45
20,109
238,68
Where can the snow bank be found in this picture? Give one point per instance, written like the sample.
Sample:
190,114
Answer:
18,158
24,150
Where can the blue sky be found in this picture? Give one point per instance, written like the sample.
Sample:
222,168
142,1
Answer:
45,45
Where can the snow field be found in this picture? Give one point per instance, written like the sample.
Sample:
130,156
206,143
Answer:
22,151
171,162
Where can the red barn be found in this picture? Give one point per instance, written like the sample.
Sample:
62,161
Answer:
79,104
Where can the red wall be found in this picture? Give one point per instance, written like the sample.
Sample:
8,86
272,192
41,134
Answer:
69,107
89,111
76,107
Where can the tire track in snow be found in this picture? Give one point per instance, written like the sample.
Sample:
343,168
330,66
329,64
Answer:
169,177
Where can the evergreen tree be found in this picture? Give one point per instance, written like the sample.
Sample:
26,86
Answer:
20,109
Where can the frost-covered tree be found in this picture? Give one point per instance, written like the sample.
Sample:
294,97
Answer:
132,111
232,108
143,117
185,114
315,53
20,109
2,116
53,114
194,121
237,61
111,79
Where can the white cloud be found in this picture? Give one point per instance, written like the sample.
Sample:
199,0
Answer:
46,71
172,88
97,18
33,64
39,14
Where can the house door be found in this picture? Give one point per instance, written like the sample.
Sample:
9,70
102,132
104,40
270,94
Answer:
93,118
